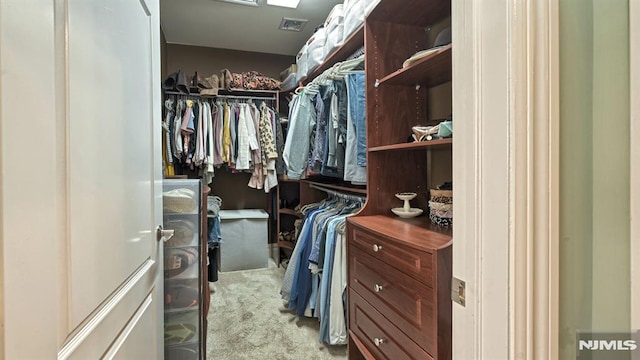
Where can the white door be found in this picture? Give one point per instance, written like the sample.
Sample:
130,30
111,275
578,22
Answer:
80,192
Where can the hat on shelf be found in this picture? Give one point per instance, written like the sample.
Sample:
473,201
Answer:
180,200
442,39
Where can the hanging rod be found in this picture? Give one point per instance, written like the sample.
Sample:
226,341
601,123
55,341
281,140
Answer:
243,97
176,93
338,194
240,97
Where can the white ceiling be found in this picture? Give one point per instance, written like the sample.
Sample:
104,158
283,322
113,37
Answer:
217,24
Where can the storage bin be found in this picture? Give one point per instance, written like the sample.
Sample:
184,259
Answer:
302,62
369,5
182,328
245,239
315,51
441,207
353,17
185,229
334,26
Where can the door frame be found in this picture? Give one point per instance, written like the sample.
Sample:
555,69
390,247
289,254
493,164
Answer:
634,92
506,166
525,36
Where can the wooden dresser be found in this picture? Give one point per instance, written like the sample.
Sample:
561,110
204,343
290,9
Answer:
399,289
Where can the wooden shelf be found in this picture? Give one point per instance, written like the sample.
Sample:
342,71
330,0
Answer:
232,92
410,12
430,71
338,187
289,212
353,43
432,144
417,232
286,244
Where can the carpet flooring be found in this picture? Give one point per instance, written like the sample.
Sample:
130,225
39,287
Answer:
249,321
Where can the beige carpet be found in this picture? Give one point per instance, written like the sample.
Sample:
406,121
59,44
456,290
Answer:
248,320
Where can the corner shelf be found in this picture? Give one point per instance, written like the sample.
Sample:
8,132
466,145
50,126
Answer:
290,212
432,70
286,244
432,144
338,187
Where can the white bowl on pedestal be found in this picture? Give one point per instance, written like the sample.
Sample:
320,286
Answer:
412,212
406,211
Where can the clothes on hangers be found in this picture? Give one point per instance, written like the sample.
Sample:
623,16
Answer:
317,268
202,134
327,126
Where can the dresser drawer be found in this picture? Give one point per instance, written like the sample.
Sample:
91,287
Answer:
407,303
380,336
418,264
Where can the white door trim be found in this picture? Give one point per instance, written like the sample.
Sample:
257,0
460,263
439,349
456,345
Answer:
506,161
634,92
534,184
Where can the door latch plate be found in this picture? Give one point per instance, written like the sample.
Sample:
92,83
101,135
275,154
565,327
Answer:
458,291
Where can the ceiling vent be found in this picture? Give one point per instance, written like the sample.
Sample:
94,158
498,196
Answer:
243,2
290,24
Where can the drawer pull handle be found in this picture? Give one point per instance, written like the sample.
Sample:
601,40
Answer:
377,288
378,341
377,248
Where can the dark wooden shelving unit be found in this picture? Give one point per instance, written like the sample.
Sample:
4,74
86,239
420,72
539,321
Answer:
410,259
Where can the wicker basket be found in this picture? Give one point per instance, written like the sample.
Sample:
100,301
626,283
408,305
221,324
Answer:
441,207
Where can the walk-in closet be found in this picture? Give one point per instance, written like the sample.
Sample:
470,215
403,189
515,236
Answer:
318,136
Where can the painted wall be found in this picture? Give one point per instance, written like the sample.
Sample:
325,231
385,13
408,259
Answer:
594,174
232,188
208,61
163,54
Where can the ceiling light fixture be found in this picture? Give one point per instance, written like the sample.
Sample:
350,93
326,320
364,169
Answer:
243,2
284,3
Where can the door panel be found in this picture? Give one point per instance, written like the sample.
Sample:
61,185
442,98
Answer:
112,320
127,346
80,191
109,123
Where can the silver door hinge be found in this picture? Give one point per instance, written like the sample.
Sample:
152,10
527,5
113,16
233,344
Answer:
458,291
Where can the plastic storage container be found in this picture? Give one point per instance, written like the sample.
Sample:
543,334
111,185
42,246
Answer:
183,296
245,239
